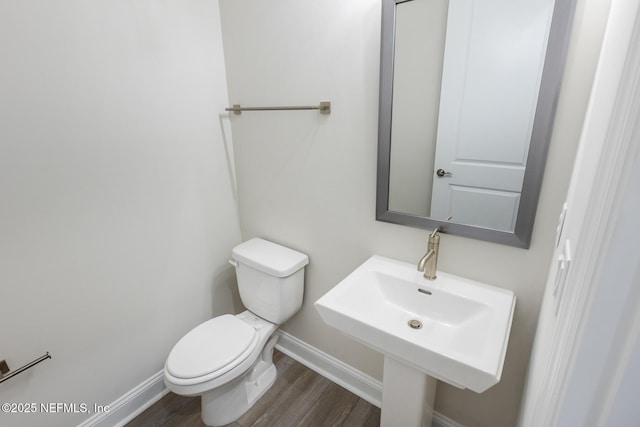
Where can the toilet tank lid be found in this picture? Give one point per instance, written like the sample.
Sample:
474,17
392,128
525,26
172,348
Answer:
269,257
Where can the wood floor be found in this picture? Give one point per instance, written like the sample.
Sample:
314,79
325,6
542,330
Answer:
299,397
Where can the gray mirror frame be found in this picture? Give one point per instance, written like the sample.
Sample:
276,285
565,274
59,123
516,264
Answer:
555,59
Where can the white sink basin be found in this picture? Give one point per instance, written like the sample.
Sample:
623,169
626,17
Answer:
465,324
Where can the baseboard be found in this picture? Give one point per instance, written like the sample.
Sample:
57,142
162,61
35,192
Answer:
331,368
440,420
358,383
130,405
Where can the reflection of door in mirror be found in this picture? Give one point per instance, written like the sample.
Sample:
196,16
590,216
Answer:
495,90
474,92
493,62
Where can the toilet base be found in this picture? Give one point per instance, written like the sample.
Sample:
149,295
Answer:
226,404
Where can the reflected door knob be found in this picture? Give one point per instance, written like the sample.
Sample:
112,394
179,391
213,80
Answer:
442,172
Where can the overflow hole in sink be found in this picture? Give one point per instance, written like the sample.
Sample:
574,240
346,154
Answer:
424,291
415,323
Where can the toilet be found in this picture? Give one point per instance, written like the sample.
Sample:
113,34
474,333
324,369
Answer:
227,360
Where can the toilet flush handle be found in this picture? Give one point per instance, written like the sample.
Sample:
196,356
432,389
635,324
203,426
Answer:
234,263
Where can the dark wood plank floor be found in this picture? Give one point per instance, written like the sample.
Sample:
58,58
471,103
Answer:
299,397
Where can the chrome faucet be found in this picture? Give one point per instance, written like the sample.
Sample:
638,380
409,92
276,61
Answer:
429,262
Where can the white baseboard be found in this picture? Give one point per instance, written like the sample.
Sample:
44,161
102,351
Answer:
331,368
440,420
131,404
134,402
358,383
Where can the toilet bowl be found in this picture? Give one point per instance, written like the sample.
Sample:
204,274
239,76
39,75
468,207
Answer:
227,360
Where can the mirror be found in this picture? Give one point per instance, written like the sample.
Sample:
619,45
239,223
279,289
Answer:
468,91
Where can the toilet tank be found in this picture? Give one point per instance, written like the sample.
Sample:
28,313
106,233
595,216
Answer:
270,278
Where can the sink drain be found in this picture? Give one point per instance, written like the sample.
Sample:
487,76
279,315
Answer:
415,324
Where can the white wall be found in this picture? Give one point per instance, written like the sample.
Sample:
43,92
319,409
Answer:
417,69
308,180
581,365
116,209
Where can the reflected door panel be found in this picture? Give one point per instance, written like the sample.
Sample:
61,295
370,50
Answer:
497,210
486,118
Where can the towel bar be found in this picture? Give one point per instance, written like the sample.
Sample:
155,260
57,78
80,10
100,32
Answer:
6,374
324,108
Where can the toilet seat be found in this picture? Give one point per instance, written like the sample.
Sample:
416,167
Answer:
211,349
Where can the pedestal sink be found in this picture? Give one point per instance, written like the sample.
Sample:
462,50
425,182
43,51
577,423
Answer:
451,329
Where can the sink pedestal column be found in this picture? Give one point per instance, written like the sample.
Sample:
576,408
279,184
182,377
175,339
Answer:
408,395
